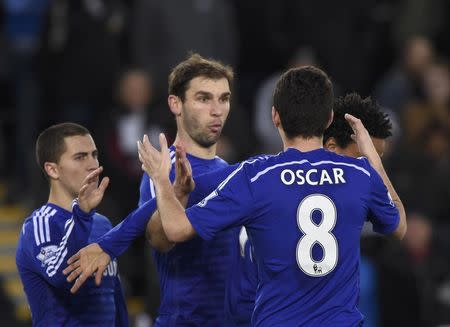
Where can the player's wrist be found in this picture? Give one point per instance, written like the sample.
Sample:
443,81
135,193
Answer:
163,181
81,209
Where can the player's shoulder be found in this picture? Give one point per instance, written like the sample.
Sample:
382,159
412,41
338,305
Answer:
360,164
220,162
44,222
260,162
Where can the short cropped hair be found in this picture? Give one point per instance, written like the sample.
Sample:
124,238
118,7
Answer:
50,144
303,98
195,66
367,110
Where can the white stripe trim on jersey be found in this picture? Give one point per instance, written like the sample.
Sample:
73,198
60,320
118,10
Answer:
36,225
152,189
224,182
47,225
41,225
63,241
61,252
259,174
173,156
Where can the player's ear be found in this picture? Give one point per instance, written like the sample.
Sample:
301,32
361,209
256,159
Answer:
51,169
275,117
330,144
331,118
175,104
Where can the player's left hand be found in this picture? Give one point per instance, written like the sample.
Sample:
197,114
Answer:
91,193
155,163
90,259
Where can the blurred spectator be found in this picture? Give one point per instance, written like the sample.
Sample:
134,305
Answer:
165,31
80,59
266,132
434,106
432,269
392,298
23,27
419,17
403,83
127,123
421,169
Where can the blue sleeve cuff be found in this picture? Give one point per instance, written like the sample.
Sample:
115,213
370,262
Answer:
104,246
80,213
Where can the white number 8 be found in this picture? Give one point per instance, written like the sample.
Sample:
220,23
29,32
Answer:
317,234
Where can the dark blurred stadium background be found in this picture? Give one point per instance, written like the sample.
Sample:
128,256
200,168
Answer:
104,64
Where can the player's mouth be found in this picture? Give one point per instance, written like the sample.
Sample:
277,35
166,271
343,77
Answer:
215,128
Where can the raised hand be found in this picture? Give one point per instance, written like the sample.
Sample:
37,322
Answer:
155,163
90,259
184,183
91,193
363,140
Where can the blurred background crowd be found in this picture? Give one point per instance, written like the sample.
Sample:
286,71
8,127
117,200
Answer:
104,64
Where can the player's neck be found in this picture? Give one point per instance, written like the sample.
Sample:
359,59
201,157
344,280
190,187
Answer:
60,197
303,144
194,148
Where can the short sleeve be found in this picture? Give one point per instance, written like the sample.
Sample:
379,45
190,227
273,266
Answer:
383,213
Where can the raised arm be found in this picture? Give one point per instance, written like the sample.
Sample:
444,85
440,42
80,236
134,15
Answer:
157,164
366,147
183,186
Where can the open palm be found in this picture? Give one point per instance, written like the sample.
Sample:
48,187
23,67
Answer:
89,260
91,193
156,164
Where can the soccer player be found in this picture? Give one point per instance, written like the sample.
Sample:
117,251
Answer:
337,136
303,209
243,281
67,155
192,275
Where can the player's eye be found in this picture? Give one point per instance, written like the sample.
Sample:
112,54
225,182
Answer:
80,157
225,99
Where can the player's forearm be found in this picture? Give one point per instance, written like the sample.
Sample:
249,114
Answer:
118,239
401,229
156,235
155,231
173,217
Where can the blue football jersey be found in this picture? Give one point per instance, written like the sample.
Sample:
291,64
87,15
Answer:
242,281
303,212
193,274
48,238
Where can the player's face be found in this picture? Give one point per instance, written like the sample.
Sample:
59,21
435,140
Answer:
79,159
352,150
205,109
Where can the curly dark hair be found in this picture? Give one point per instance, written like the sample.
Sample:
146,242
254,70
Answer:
369,111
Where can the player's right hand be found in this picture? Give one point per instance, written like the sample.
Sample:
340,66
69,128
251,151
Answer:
91,193
90,259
